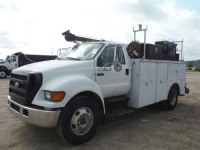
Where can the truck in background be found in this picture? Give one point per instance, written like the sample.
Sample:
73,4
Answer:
90,80
20,59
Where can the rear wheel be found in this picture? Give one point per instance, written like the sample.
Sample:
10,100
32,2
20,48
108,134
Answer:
3,74
171,102
79,120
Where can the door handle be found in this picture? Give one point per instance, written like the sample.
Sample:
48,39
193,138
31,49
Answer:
127,71
100,74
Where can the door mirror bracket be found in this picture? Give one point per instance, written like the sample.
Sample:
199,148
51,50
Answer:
106,67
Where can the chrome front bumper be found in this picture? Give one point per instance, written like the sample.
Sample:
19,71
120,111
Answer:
38,117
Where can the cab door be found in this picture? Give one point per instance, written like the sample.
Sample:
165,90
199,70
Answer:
113,72
12,62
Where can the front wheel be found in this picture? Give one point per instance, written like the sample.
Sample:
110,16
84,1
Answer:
3,74
79,120
171,102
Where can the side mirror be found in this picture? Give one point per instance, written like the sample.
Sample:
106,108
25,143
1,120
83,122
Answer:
118,59
118,66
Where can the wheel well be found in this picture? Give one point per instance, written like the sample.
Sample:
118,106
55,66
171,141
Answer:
93,96
177,86
3,68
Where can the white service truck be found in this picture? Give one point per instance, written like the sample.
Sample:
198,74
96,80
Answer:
74,92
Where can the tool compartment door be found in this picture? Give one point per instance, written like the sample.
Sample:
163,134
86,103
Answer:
147,90
162,80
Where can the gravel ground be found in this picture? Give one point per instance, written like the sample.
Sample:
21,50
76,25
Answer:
147,128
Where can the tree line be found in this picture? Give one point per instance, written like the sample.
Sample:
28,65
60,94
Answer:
193,64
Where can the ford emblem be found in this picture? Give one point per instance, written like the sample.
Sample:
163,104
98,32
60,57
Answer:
16,84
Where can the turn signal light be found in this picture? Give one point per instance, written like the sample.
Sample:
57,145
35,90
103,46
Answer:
54,96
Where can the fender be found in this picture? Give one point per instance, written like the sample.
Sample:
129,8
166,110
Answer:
175,84
72,85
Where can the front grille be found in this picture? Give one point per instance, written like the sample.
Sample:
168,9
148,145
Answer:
21,77
23,88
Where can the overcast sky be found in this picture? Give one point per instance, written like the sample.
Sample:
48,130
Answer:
35,26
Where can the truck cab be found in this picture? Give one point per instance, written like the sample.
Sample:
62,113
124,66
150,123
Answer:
10,63
75,91
111,67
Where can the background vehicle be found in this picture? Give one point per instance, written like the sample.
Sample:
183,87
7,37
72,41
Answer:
19,59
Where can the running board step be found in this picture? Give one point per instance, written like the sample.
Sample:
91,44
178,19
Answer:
116,103
119,112
116,99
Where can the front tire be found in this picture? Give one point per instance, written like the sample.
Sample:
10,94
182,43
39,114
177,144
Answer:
3,74
79,120
171,102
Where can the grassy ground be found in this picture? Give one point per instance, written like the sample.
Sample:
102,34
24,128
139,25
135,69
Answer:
192,71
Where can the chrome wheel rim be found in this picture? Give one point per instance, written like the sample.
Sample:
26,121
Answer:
2,74
82,121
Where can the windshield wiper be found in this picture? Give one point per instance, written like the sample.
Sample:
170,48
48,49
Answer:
71,58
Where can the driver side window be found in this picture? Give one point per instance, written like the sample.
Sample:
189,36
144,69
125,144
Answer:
107,56
12,59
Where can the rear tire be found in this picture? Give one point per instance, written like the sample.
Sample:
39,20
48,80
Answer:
171,102
79,120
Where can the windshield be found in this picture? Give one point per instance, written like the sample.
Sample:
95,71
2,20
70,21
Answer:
7,58
85,51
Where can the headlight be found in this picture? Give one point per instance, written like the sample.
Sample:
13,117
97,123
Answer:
54,96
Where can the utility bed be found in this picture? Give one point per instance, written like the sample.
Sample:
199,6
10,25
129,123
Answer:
152,79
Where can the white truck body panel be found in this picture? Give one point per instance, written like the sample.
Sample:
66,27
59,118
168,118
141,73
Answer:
152,80
114,83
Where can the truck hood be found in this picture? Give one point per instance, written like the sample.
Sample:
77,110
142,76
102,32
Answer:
55,66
